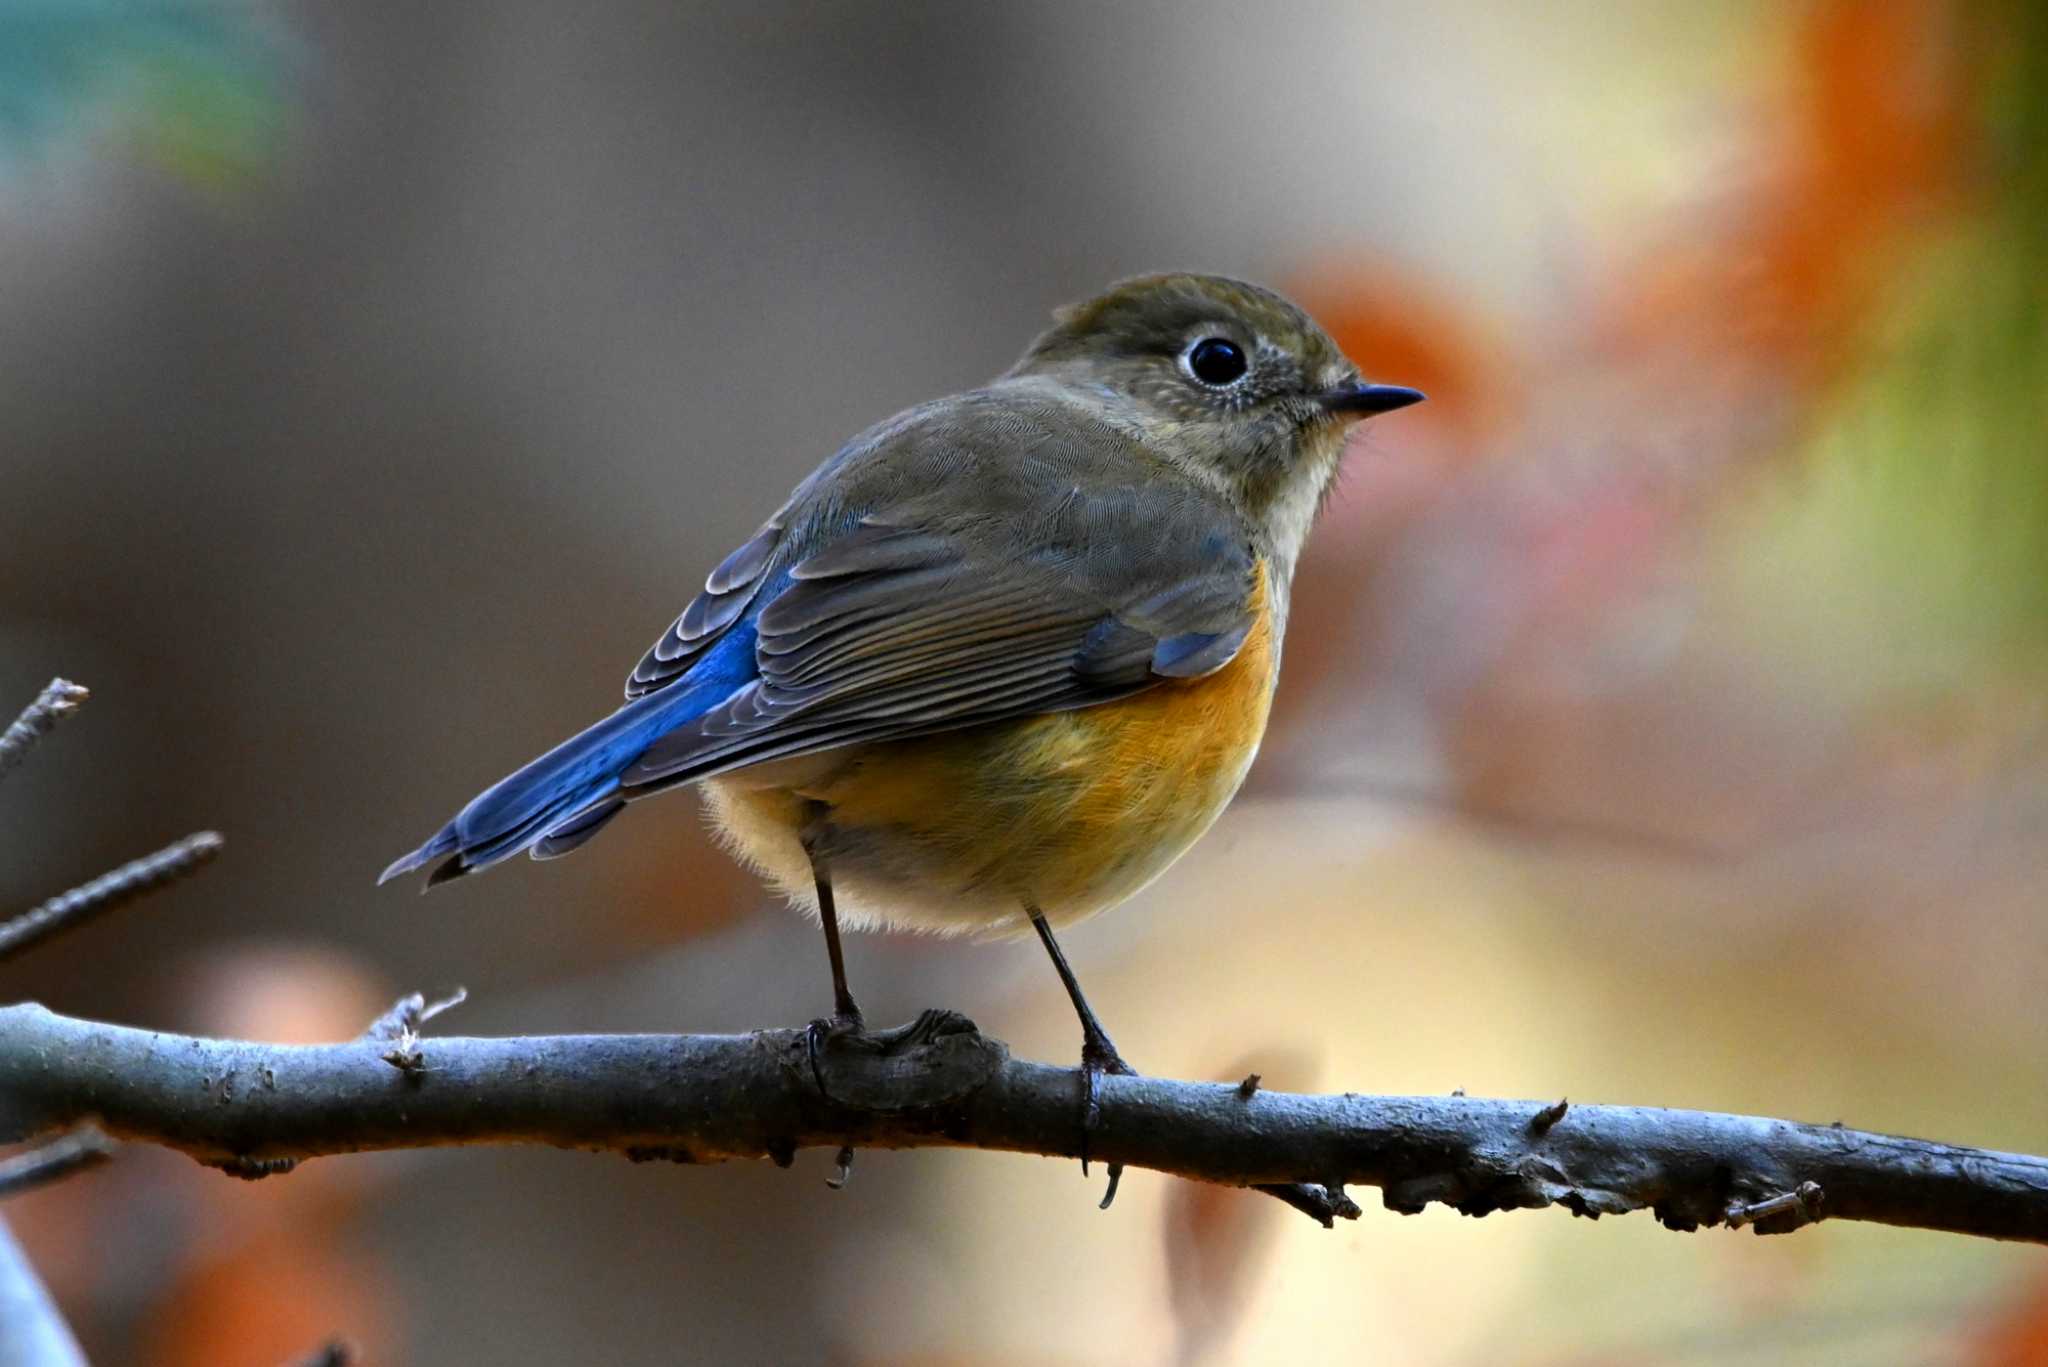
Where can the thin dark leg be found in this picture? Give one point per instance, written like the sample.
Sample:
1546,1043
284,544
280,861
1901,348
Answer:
1096,1046
1098,1051
846,1017
1099,1056
844,1011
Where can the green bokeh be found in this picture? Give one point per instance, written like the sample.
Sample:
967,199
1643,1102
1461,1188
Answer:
199,89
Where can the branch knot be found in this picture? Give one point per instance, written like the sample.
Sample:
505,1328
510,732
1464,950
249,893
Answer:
938,1058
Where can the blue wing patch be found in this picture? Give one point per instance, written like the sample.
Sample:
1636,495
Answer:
1192,654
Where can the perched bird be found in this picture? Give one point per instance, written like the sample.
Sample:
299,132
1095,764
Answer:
1002,659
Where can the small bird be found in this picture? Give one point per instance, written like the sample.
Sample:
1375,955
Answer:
1000,661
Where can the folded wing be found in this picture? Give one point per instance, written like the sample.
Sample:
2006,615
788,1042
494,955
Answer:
893,630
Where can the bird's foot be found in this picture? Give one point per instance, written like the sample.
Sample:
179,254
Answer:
845,1023
1099,1056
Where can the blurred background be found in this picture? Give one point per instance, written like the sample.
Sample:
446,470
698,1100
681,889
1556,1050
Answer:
1664,718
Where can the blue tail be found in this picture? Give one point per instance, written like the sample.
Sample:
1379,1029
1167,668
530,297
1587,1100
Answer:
559,800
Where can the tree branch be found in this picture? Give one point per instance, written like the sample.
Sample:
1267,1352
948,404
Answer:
134,879
255,1108
54,1159
32,1332
58,700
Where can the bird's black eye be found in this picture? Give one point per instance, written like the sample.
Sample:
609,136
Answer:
1216,361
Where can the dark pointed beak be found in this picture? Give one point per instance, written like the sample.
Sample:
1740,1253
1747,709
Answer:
1362,400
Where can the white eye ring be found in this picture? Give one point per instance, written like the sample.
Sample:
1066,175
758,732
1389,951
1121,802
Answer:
1216,362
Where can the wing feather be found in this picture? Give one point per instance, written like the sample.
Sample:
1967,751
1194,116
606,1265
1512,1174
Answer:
906,634
728,591
883,605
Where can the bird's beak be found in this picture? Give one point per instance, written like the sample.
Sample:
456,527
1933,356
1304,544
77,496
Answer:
1362,400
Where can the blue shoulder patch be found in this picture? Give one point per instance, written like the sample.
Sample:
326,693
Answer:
1195,653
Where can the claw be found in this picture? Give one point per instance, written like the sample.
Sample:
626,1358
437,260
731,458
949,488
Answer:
821,1030
1099,1056
813,1033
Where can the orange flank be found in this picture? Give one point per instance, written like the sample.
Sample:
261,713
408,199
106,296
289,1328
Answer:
1073,811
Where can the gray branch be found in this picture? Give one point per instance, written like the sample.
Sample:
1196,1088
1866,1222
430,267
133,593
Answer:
52,1160
32,1332
132,880
254,1109
54,704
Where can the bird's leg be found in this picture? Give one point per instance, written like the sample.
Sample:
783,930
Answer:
845,1011
845,1014
846,1017
1098,1051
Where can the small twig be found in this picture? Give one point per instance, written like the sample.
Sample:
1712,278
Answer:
32,1330
1325,1204
37,720
401,1026
1249,1088
1541,1122
72,1151
109,890
447,1003
399,1019
1803,1202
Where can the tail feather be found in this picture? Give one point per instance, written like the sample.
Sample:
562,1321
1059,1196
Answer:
531,835
566,836
559,800
442,843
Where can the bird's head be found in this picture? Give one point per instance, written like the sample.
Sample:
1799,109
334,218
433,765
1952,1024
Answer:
1230,381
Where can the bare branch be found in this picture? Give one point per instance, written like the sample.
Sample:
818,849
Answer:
74,1151
108,891
939,1081
32,1332
56,702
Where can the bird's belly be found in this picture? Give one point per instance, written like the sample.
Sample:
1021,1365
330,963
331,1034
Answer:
1071,811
